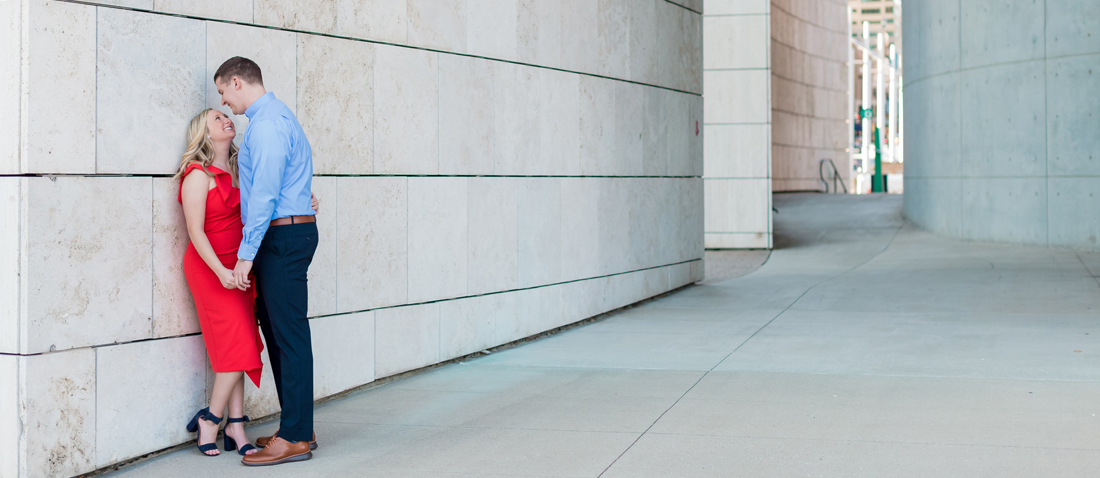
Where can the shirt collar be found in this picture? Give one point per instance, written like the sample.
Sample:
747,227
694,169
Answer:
259,103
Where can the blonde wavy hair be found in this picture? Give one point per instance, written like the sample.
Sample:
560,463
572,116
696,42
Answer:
200,148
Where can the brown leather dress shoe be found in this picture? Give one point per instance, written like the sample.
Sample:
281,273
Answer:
278,451
263,441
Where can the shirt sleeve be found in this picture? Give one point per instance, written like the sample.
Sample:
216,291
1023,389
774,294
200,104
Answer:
269,148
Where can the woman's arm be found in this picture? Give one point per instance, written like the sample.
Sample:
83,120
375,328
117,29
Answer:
196,185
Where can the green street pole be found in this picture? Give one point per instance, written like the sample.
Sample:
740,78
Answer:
876,180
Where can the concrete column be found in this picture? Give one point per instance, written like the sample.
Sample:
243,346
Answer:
1002,142
737,155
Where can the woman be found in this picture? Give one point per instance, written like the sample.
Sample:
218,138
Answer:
212,207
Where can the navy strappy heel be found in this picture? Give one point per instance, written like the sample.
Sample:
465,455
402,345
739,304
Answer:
193,426
231,444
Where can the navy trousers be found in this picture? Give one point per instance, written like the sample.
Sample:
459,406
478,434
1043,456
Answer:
282,299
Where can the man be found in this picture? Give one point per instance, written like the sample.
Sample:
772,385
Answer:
280,237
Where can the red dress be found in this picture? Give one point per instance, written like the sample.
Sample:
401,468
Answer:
227,316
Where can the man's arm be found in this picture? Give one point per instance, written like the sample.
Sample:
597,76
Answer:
269,148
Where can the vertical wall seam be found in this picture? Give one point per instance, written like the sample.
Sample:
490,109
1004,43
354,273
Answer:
408,237
152,259
438,112
959,108
374,110
1046,120
95,99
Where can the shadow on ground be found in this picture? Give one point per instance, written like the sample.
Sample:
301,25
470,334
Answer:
861,348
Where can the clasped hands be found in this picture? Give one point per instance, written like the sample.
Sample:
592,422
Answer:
237,277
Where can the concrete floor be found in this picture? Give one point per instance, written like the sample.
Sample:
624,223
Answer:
861,348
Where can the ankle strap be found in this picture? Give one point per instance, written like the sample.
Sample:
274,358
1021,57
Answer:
210,417
238,420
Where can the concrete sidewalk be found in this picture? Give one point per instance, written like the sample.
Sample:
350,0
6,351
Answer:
861,348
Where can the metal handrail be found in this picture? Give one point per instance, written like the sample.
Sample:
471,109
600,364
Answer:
835,176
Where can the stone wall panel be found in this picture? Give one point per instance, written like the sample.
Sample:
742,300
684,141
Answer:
539,236
343,352
380,20
1005,209
406,105
437,238
138,98
643,40
613,27
58,413
470,325
645,211
492,28
737,41
516,119
741,90
579,32
539,32
734,151
438,24
173,307
11,69
324,270
62,71
12,198
132,382
559,123
1072,149
993,34
597,127
1008,99
655,132
629,125
580,228
317,16
89,269
232,10
466,107
336,103
614,217
406,338
493,227
372,270
9,415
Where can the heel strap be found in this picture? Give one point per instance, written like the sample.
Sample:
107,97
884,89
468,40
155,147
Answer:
238,420
210,417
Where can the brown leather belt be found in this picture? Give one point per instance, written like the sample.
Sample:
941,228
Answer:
286,221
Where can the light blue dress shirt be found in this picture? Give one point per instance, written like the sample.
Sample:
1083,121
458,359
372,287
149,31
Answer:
275,167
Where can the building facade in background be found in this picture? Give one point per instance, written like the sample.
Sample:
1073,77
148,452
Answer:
883,16
485,174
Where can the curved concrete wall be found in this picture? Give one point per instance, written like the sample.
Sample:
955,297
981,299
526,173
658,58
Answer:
1001,120
487,169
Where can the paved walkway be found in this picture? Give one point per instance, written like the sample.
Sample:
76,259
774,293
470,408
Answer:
861,348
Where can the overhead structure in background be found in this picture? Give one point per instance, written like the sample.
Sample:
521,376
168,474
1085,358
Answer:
880,138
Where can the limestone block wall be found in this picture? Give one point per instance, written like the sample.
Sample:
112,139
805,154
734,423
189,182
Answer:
809,50
487,170
737,156
1001,119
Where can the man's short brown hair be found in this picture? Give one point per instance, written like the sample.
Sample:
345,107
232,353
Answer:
242,68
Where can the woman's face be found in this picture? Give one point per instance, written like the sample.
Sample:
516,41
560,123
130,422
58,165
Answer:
220,127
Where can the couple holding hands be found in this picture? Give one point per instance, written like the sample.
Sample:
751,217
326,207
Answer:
250,217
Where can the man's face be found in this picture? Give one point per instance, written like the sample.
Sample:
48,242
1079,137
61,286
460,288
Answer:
231,92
